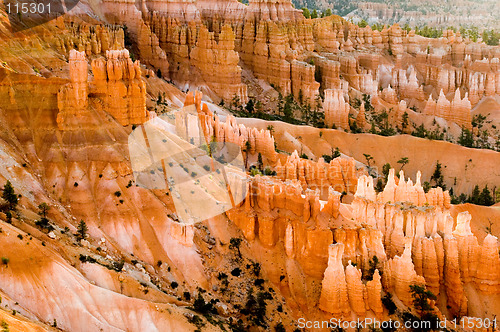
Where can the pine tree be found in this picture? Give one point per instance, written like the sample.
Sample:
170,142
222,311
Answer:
474,198
82,230
385,170
9,196
405,123
437,176
403,161
259,161
466,138
44,208
485,197
250,106
306,12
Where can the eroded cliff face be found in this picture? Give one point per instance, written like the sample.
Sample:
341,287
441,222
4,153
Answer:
321,247
412,234
272,42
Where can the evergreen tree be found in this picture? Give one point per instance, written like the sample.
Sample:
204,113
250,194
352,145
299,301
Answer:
422,302
405,123
385,170
362,24
81,230
9,196
306,12
466,138
485,197
314,14
403,161
250,106
288,107
301,97
437,176
43,209
281,103
475,196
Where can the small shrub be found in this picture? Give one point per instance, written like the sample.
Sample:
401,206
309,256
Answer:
203,307
87,259
8,214
374,265
5,261
259,282
118,266
20,236
256,269
236,272
5,326
389,303
221,276
174,285
118,193
196,321
279,327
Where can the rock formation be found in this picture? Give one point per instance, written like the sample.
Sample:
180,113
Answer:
458,111
334,297
336,109
118,82
338,174
72,99
93,40
218,63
